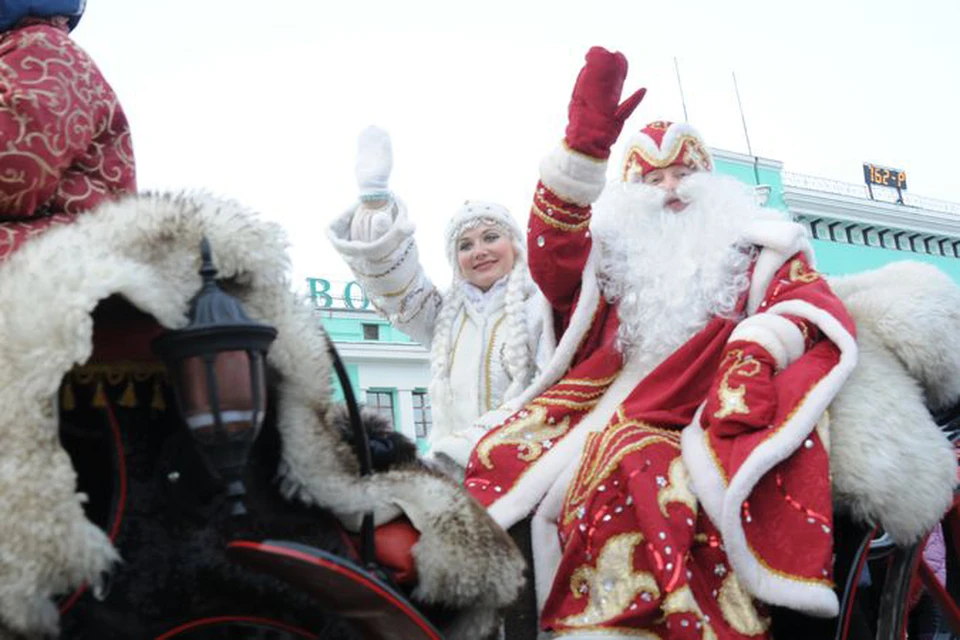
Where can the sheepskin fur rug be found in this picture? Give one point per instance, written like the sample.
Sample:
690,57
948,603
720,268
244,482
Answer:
145,249
891,463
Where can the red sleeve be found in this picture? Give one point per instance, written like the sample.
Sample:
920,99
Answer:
558,243
45,121
797,280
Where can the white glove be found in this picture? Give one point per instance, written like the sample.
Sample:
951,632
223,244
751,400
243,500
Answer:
374,162
369,224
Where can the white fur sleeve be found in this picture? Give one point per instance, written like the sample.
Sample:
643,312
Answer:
390,272
573,176
778,335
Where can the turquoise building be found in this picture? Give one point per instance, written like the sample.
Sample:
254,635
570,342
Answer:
853,227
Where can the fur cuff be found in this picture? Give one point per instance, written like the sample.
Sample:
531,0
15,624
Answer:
353,250
573,176
458,446
776,334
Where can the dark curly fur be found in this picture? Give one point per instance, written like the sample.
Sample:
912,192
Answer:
389,449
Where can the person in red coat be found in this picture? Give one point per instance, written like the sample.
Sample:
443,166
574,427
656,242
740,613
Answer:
66,144
673,454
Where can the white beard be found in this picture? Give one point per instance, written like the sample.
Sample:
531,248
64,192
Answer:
670,273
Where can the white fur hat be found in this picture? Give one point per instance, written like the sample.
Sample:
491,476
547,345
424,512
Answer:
470,214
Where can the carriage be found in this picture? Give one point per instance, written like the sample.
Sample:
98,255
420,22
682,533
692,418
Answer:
175,468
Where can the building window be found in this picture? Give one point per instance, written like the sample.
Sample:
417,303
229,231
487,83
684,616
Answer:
382,403
371,331
422,416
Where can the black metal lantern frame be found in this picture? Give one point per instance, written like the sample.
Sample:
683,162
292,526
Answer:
217,364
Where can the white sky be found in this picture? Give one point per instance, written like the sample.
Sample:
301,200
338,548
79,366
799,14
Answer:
262,101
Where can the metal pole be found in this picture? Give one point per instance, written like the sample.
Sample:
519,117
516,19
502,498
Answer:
743,119
683,100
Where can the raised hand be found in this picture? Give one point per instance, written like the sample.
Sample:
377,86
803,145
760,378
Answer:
596,115
374,163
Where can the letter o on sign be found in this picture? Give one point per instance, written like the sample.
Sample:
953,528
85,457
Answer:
348,298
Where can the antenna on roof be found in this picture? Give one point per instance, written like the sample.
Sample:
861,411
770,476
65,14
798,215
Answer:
746,135
682,99
743,118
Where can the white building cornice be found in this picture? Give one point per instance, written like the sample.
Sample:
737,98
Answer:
810,203
383,351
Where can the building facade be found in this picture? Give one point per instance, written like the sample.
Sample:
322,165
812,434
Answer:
853,228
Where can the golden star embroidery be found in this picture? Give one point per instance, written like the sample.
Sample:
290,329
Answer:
529,432
677,488
612,585
733,399
738,610
682,601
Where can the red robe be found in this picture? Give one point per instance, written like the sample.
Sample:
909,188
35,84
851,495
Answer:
65,140
648,520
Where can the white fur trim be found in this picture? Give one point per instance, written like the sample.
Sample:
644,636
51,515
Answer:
778,240
778,335
474,210
573,176
459,445
545,536
813,599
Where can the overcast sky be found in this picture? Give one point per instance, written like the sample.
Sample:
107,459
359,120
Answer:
262,101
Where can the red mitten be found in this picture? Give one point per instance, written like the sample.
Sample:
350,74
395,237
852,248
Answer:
743,397
596,116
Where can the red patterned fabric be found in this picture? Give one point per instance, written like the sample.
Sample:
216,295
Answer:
66,142
743,396
663,144
634,548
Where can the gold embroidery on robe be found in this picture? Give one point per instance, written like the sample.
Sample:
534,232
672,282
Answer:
682,601
589,382
547,401
612,586
799,272
738,610
604,450
677,488
529,433
733,399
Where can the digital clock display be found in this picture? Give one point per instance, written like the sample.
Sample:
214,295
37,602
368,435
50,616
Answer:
884,176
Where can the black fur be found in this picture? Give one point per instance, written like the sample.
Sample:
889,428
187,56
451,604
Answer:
174,534
389,449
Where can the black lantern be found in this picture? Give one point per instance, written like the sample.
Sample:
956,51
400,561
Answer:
218,372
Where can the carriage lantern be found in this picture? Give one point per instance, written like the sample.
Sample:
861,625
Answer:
217,366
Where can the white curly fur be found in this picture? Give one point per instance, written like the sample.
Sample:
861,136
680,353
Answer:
146,249
891,463
671,272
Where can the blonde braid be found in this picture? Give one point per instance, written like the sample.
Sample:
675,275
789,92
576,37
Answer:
517,356
440,395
